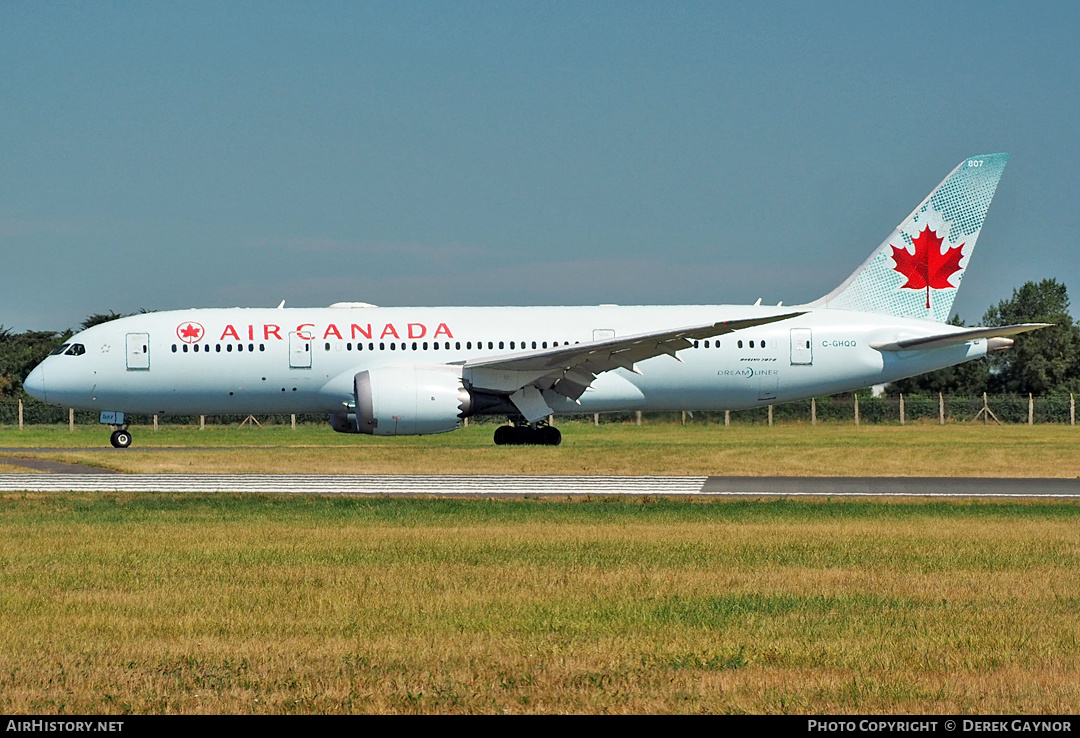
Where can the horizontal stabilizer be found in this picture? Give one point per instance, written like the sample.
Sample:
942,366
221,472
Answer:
962,336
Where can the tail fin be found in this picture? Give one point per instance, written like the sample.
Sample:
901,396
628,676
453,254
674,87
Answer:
916,271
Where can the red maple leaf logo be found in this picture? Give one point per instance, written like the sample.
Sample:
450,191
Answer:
189,332
927,268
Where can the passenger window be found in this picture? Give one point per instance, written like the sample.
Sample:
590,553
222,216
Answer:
228,347
457,346
435,345
740,344
262,347
500,344
511,344
218,348
491,345
414,346
196,347
239,347
382,346
468,344
695,344
185,348
706,343
173,349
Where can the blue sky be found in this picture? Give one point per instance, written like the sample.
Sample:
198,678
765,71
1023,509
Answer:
168,155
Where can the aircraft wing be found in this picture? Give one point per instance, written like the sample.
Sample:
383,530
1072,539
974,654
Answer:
570,370
948,339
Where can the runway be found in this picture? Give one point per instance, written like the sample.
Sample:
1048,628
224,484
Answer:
575,486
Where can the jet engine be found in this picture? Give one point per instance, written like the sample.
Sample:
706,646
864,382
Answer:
410,400
343,422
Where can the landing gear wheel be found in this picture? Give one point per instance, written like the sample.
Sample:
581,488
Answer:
120,439
548,436
524,435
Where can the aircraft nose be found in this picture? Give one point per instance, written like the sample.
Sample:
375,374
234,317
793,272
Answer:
34,384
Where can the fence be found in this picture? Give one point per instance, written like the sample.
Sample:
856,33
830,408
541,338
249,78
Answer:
848,408
886,410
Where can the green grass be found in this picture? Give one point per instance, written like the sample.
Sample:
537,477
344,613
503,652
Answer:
750,450
280,604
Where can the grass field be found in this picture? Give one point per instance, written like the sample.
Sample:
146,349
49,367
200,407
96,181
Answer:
252,604
748,450
279,604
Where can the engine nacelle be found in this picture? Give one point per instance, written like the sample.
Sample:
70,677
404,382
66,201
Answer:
410,400
344,422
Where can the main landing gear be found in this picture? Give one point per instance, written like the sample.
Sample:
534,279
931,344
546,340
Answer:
522,433
120,438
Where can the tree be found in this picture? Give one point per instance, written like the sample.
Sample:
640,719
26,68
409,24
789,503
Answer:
1044,361
21,352
99,318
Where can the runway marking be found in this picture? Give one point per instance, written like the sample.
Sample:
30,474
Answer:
354,484
507,485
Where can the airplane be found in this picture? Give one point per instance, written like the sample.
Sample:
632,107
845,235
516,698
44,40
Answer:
392,371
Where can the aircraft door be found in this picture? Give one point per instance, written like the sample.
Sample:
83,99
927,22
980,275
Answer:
299,351
802,346
138,351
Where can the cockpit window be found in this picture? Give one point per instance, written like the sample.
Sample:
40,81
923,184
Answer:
77,349
59,350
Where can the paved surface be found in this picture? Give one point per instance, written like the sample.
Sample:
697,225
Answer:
496,485
890,487
55,467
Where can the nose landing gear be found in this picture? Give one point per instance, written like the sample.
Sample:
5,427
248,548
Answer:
120,437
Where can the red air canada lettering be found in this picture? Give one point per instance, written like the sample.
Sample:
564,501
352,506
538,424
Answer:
307,331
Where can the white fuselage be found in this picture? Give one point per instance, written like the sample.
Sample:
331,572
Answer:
298,360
